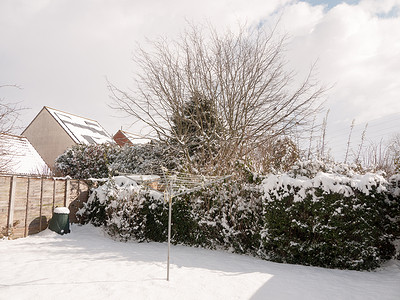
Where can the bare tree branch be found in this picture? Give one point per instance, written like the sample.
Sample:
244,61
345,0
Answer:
239,76
9,116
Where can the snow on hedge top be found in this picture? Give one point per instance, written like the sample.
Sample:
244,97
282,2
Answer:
122,187
124,181
18,156
80,129
330,181
143,178
119,188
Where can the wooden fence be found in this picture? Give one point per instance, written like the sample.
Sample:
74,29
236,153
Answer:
27,202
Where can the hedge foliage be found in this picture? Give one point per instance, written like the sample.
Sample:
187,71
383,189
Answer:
322,219
105,160
87,161
128,211
329,230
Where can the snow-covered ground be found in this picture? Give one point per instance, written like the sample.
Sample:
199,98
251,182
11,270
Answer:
86,264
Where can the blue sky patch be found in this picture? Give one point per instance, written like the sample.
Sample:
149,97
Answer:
330,3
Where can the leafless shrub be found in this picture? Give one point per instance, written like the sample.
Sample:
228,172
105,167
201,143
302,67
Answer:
361,145
349,141
384,156
278,155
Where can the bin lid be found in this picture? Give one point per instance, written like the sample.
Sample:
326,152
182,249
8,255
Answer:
61,210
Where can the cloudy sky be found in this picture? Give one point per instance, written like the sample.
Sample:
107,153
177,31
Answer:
60,52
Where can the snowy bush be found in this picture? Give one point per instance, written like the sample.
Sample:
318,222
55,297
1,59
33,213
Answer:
328,219
126,210
146,159
87,161
105,160
223,216
316,214
227,216
394,196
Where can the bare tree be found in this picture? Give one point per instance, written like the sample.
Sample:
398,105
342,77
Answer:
9,114
241,77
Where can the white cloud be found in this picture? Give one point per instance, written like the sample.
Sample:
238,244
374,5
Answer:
357,50
380,6
61,51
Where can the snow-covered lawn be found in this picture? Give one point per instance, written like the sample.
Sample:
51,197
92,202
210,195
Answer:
86,264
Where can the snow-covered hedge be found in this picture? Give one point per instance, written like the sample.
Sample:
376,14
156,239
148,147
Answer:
146,159
87,161
104,160
330,217
336,219
226,216
124,208
223,216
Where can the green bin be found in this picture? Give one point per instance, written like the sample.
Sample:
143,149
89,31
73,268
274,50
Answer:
60,220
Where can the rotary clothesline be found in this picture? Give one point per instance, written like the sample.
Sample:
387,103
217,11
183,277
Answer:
173,184
173,187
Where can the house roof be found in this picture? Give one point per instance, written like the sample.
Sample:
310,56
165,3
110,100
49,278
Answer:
18,156
80,129
134,138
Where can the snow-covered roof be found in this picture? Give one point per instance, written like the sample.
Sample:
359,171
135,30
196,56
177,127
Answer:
134,138
17,156
80,129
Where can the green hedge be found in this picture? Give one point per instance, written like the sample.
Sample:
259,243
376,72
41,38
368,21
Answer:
333,231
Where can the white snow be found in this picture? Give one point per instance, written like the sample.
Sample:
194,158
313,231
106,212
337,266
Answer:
85,264
328,182
143,178
61,210
18,156
123,181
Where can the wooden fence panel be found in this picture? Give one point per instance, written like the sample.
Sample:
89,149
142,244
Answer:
27,203
33,215
78,195
20,207
47,203
60,193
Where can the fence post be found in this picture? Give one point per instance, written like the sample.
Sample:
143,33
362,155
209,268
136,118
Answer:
54,194
67,192
27,208
11,205
79,191
41,205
